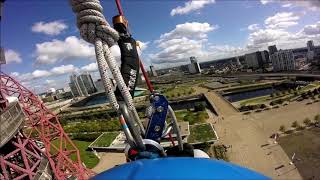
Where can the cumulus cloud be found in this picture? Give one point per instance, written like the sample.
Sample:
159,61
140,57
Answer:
253,27
38,74
190,6
185,40
12,56
189,30
283,39
312,5
71,48
63,69
313,29
90,67
49,28
282,20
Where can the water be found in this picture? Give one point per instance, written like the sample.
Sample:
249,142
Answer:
249,94
96,100
102,98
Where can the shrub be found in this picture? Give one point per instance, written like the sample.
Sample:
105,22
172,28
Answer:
262,106
282,128
199,107
295,124
307,122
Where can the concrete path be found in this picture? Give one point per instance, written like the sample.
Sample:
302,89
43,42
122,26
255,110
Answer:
247,139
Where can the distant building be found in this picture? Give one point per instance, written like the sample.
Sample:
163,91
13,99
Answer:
253,60
283,60
2,56
310,45
88,83
81,85
265,57
194,67
74,86
153,71
272,49
99,85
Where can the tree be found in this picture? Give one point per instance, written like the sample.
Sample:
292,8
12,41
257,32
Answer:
262,106
307,122
295,124
282,128
199,107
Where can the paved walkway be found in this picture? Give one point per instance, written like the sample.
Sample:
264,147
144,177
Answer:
247,139
108,160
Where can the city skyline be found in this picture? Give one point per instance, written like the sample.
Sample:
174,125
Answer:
47,47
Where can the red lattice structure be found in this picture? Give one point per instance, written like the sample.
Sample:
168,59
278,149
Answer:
42,125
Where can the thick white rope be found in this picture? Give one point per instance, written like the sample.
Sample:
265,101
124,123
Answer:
96,30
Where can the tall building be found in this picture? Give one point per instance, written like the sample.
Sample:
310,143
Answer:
81,85
74,86
99,85
254,60
88,83
194,67
265,57
310,45
272,49
283,60
153,71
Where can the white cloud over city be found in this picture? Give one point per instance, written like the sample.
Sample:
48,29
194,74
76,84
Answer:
190,6
12,56
71,48
183,41
49,28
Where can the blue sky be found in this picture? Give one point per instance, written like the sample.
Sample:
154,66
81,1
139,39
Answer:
43,46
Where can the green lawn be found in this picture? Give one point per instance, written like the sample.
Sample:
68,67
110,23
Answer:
89,159
106,139
178,91
256,100
191,116
201,133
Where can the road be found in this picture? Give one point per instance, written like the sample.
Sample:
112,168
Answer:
246,137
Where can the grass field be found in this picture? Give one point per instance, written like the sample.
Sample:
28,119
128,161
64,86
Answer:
178,91
106,139
306,145
192,117
201,133
89,159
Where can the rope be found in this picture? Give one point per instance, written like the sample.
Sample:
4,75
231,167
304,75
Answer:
96,30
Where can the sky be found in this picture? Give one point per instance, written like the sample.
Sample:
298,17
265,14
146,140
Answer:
43,46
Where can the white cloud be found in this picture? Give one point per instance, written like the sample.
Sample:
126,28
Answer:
49,28
185,40
63,69
253,27
312,5
282,20
266,1
40,74
189,30
71,48
14,74
90,67
190,6
12,56
313,29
